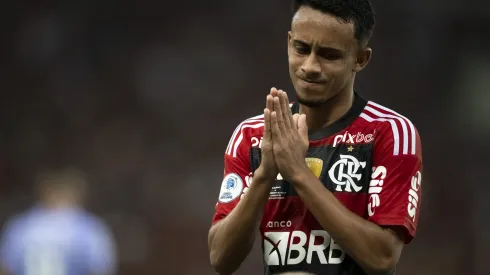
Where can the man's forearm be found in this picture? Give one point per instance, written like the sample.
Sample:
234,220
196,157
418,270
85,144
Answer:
371,246
231,239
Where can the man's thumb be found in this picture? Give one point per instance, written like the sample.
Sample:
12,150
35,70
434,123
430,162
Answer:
302,127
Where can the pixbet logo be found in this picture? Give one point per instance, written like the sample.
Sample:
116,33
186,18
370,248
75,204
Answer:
256,142
291,248
375,187
413,197
353,139
344,171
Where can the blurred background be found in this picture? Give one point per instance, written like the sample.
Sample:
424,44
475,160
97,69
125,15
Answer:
143,96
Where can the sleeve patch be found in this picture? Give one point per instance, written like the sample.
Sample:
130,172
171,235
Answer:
231,188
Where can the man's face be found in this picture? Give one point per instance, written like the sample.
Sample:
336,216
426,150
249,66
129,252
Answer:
323,55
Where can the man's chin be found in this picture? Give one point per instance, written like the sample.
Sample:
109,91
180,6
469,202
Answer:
311,102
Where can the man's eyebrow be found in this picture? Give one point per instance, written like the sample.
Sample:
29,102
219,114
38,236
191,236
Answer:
321,48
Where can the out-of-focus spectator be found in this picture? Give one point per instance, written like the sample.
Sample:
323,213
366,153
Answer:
57,236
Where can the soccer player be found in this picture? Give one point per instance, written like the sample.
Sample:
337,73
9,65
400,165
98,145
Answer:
332,181
56,236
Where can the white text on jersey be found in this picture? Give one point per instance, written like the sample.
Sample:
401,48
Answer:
413,197
375,187
279,248
348,138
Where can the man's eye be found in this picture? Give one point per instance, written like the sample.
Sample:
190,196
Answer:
331,56
302,50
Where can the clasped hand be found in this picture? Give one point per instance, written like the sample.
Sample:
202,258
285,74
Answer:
285,136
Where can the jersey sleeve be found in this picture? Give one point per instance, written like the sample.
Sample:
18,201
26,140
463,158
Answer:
395,186
237,169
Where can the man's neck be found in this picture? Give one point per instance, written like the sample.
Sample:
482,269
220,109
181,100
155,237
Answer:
331,111
59,202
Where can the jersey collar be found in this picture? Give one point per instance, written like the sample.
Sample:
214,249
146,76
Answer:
342,123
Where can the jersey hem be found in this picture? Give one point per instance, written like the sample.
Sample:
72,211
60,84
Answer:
409,229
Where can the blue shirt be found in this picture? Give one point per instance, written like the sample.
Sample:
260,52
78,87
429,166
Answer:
45,241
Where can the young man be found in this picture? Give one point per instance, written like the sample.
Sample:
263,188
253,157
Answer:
333,181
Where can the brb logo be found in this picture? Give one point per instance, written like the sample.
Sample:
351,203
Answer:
344,171
413,197
291,248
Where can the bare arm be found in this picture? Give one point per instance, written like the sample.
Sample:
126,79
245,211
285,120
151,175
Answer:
231,239
374,248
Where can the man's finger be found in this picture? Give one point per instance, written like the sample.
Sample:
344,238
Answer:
271,96
269,103
273,92
275,131
267,124
295,120
287,114
279,114
303,128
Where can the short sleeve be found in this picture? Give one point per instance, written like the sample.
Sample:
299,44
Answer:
9,245
395,186
237,166
101,249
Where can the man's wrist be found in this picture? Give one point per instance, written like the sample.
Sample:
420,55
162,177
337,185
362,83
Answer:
301,176
264,176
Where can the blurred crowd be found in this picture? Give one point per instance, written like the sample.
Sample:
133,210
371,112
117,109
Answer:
142,96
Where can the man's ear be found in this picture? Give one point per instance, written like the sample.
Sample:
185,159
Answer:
363,57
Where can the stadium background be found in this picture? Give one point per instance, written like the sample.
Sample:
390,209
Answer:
143,97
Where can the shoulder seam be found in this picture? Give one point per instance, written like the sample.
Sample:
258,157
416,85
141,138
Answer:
404,133
237,136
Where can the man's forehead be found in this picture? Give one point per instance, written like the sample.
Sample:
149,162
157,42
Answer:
312,25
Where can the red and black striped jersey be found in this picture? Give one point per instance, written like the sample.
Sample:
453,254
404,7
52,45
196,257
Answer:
370,159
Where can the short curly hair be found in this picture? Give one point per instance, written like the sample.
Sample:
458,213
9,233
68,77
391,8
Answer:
358,12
